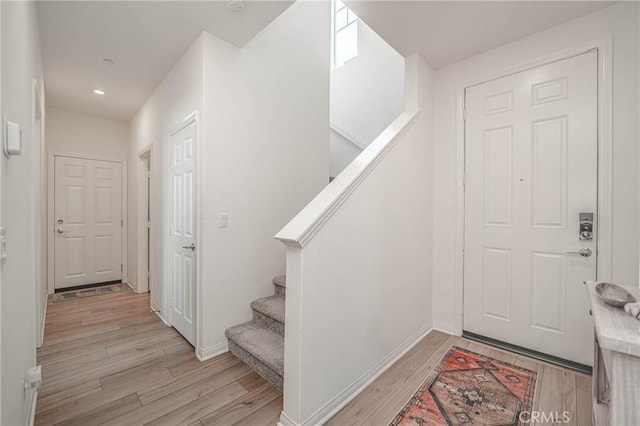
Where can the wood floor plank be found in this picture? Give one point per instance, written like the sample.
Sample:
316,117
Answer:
251,382
180,397
569,397
583,400
63,397
200,407
268,415
129,376
243,407
105,412
196,382
90,402
123,360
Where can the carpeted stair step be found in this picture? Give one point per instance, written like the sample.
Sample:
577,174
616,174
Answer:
269,312
260,348
280,284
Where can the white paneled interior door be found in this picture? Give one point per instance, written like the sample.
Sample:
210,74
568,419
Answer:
88,221
182,261
530,169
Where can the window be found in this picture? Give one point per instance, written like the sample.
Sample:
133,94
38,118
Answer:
345,34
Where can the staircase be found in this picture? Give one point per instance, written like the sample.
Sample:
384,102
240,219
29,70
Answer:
259,343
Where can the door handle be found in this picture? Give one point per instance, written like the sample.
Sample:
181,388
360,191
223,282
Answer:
60,231
584,252
191,247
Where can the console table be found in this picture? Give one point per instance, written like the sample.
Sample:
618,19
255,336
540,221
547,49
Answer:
616,364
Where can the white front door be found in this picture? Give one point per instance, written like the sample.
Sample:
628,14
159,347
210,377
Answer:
530,170
87,221
182,261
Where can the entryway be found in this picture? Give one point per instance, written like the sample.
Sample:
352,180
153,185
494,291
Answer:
87,222
531,199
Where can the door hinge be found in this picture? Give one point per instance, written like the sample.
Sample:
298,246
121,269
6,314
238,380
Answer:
464,179
121,222
464,114
121,267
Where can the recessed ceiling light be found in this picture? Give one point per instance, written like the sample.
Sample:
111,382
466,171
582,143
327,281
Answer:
98,92
109,61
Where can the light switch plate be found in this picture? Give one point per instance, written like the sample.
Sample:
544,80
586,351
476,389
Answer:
224,220
12,138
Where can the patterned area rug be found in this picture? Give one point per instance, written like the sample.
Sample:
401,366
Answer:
468,388
87,292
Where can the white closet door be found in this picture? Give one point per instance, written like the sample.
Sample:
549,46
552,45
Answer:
183,231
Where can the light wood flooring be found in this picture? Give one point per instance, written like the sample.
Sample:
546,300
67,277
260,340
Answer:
557,389
108,360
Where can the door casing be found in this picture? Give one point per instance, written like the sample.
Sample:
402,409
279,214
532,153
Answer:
144,255
604,47
51,212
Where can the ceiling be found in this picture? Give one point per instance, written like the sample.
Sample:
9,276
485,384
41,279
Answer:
144,39
445,32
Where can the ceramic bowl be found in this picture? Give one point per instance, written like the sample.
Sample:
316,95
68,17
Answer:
614,295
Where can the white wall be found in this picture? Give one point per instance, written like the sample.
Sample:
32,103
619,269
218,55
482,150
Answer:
359,292
21,63
341,152
266,132
621,21
179,95
75,133
367,94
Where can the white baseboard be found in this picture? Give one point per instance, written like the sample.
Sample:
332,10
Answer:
445,328
131,286
159,314
31,416
343,398
44,321
286,420
204,354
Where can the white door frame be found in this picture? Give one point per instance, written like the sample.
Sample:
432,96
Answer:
604,47
168,293
51,212
144,256
38,189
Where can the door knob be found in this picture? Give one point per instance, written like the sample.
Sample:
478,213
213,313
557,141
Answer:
191,247
584,252
60,231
